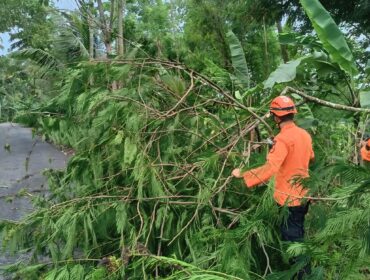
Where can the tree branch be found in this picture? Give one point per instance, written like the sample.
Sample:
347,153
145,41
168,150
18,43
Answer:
195,74
324,102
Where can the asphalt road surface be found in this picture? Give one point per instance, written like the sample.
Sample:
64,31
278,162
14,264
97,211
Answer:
23,159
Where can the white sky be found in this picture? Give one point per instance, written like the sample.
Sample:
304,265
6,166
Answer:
61,4
65,4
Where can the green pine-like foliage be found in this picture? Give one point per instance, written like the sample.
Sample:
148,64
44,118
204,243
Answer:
148,191
149,188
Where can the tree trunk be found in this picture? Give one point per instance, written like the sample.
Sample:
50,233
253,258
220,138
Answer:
106,27
283,48
120,44
91,29
267,58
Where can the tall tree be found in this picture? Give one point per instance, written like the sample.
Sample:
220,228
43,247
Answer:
120,37
27,23
90,19
106,24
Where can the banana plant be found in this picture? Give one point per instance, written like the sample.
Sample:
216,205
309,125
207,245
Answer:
238,61
330,35
330,56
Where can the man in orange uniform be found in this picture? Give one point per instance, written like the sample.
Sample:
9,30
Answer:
365,151
288,161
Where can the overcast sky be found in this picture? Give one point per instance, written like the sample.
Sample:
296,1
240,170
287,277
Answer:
66,4
61,4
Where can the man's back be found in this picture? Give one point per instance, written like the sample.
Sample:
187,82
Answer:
288,161
298,145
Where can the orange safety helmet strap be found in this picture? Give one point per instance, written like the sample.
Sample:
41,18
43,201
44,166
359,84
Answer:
282,105
292,108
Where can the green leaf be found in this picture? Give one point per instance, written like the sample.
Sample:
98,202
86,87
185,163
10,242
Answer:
238,60
238,95
286,72
121,217
367,67
63,274
77,272
365,99
98,274
118,139
53,249
253,90
71,238
28,270
51,275
288,38
216,73
325,68
330,35
294,39
175,83
130,151
44,59
155,186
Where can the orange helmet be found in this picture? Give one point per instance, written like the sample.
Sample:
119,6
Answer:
282,105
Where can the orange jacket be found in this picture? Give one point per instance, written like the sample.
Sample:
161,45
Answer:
365,154
288,160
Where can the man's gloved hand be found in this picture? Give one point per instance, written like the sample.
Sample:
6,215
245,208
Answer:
270,142
237,173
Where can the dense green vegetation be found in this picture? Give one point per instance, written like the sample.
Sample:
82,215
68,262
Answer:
160,100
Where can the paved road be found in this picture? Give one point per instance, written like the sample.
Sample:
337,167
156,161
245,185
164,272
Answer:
22,161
